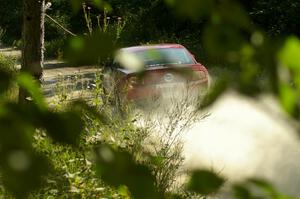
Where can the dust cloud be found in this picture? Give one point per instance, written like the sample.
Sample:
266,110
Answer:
245,138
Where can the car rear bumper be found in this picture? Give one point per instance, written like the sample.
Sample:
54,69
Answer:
167,90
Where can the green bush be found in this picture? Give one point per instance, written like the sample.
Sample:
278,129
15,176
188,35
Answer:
75,176
8,64
55,49
11,20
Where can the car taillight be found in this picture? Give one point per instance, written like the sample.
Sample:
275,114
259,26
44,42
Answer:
199,75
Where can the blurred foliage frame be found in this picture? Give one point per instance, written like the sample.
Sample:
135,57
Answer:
22,120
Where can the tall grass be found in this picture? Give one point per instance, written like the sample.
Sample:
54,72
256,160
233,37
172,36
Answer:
8,64
159,149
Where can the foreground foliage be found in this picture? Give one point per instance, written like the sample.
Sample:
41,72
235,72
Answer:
32,134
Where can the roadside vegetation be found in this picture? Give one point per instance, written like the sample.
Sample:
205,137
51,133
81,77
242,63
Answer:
74,174
98,148
8,64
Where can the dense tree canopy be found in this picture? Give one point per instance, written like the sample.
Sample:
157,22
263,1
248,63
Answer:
152,20
11,19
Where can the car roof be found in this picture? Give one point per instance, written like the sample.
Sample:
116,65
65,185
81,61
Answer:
152,46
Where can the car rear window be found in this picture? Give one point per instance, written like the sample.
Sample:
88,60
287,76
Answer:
164,56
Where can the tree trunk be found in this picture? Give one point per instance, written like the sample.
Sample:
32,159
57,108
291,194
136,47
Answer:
33,41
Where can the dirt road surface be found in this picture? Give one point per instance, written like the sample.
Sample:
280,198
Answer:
10,52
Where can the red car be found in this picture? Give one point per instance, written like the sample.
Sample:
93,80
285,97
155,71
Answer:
144,72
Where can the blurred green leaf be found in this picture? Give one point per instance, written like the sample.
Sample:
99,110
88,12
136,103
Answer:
12,128
205,182
64,127
90,49
289,74
241,192
23,171
249,82
288,98
223,41
28,114
217,89
290,53
77,43
267,188
27,82
76,5
193,9
117,168
5,79
257,189
123,191
232,12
